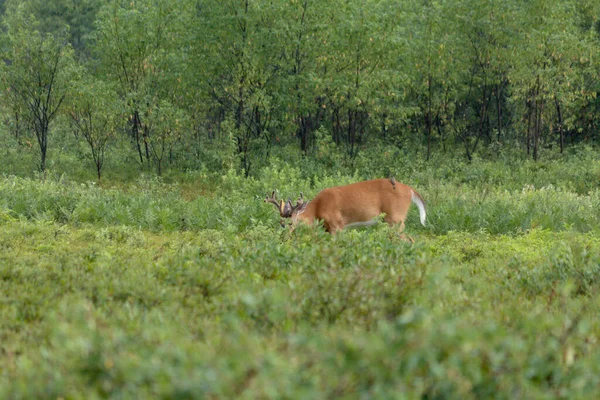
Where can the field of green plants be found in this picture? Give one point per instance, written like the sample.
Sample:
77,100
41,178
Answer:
188,287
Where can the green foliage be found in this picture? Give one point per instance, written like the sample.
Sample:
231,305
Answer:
94,116
189,288
507,197
171,277
105,310
206,85
35,81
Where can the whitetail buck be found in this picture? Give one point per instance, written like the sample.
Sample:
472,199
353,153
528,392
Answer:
357,204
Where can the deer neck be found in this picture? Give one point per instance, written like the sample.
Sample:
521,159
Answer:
306,214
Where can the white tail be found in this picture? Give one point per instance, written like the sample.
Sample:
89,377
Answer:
355,204
420,204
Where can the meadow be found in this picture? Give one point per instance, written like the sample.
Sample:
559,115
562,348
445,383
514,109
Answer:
186,287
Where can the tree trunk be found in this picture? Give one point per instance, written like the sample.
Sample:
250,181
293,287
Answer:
428,118
438,125
498,111
43,160
467,149
304,132
529,114
350,138
42,136
560,125
484,102
538,129
135,130
146,144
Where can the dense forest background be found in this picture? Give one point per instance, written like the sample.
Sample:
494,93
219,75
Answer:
159,85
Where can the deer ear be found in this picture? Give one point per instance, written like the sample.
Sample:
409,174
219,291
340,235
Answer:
287,210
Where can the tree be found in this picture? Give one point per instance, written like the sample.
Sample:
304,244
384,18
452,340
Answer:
139,45
438,68
94,112
355,69
547,78
36,74
164,125
240,59
302,31
480,41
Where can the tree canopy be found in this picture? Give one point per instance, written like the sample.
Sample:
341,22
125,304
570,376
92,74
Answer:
197,79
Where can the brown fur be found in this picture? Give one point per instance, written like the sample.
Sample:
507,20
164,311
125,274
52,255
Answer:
340,206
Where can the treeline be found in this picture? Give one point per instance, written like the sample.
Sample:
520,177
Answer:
187,81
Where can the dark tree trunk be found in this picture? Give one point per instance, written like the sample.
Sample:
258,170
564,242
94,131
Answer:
41,133
304,133
561,137
498,112
428,118
135,131
146,145
528,135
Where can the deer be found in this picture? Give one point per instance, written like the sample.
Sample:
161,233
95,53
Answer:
356,204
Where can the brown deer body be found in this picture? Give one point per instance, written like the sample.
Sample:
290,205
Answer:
357,204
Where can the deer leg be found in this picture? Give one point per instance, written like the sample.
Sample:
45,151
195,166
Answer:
334,225
398,223
407,238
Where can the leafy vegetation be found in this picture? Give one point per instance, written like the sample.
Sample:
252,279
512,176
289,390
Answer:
190,288
139,138
204,84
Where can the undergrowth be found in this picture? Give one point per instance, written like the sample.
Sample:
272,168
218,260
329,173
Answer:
189,289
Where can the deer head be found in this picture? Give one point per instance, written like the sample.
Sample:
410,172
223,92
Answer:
285,208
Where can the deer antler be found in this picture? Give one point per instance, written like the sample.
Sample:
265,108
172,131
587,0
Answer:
273,200
285,208
299,204
300,200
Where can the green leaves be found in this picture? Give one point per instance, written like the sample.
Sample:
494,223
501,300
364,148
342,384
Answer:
95,114
35,80
101,307
253,76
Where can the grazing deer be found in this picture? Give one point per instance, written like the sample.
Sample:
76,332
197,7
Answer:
357,204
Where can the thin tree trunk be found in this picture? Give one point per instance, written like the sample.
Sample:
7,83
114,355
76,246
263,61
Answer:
350,131
438,125
560,125
303,134
136,126
42,136
484,102
498,111
539,108
538,131
146,144
529,114
428,117
43,160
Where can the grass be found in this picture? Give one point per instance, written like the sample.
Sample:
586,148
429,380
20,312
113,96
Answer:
147,290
